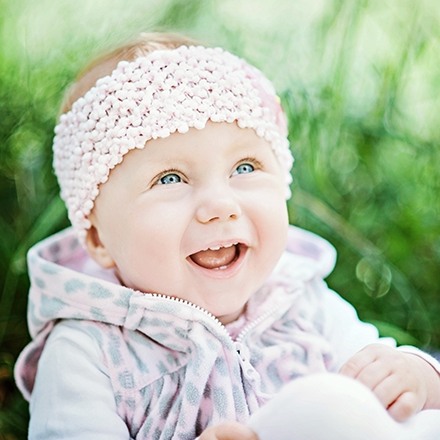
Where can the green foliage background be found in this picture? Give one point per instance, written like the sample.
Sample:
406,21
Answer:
360,81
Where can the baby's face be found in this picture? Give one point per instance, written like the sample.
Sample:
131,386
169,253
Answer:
199,216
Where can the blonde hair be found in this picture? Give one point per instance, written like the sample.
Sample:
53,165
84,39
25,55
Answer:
104,65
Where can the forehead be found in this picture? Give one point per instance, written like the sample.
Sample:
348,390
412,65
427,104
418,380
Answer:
221,144
215,141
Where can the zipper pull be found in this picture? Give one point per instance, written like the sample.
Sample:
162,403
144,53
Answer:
242,351
248,370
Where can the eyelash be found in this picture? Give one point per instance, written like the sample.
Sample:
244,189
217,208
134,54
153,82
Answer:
257,165
157,180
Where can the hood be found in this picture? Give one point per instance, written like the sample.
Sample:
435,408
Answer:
67,284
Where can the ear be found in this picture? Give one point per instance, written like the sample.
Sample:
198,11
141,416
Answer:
97,249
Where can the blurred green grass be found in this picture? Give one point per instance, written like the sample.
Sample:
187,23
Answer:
360,82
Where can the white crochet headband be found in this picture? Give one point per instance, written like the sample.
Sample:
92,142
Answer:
153,97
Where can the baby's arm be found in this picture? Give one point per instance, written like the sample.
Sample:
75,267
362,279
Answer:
403,382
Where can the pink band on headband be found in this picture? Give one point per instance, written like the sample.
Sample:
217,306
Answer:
152,97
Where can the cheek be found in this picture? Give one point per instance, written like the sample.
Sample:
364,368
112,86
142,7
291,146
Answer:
276,225
272,207
271,221
149,250
146,235
140,261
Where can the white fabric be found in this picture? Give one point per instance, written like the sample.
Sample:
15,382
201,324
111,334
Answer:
333,407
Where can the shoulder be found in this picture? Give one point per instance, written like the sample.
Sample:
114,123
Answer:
317,251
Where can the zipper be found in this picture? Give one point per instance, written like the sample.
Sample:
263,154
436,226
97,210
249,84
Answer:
253,324
238,343
193,306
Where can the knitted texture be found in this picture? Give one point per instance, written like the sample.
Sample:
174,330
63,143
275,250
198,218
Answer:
153,97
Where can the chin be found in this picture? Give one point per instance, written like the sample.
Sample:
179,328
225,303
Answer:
226,317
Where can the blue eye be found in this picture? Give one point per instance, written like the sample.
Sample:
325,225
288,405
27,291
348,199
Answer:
169,179
244,168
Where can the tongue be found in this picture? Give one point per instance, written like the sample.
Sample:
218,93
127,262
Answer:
215,259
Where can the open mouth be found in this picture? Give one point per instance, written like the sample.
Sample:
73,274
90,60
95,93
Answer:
218,257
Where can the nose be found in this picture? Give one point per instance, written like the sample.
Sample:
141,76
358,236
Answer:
220,207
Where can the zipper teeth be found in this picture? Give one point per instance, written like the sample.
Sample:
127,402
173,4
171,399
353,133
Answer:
194,306
255,323
247,328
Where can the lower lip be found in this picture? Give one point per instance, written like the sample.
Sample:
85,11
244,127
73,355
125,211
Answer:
226,272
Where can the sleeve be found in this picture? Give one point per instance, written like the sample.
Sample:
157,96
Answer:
425,356
348,334
72,398
343,329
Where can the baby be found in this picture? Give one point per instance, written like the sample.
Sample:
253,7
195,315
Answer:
181,301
